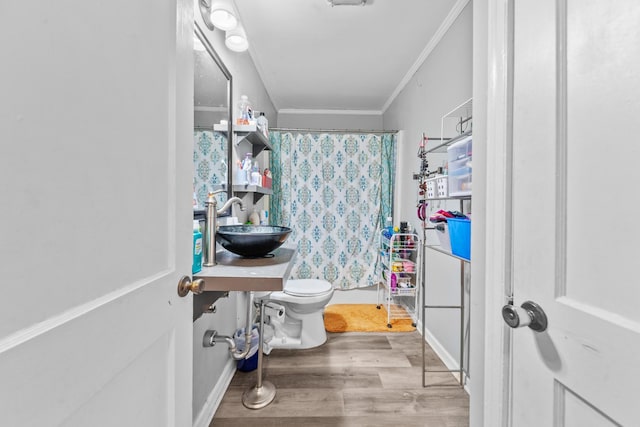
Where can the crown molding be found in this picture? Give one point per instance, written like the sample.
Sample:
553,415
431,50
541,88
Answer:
437,37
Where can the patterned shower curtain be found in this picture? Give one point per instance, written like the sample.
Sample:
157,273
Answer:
210,164
335,192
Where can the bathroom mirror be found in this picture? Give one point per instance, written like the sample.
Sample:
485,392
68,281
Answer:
212,122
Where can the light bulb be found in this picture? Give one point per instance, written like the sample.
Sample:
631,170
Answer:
223,18
236,40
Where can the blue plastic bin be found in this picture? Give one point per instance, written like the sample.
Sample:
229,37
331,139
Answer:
250,362
460,235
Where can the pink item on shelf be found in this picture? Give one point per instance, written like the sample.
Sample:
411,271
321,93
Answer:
408,266
394,281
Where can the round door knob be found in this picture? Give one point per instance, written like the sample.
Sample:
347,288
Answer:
185,285
528,314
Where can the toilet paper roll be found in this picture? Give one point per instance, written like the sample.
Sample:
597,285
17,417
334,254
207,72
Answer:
275,311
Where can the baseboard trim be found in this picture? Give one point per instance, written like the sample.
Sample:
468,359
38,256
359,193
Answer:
449,361
215,397
446,357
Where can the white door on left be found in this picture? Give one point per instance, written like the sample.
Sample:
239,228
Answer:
95,177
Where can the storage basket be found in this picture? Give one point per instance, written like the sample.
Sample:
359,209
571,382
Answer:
442,231
250,362
460,234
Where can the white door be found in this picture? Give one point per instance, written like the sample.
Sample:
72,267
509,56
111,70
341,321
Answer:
576,233
95,153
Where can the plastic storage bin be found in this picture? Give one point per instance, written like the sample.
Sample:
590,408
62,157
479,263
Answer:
437,188
442,187
250,362
442,231
460,234
431,188
459,155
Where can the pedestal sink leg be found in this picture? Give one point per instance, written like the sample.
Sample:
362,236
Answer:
262,393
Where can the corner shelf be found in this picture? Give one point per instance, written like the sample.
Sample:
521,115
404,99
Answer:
258,143
256,190
250,133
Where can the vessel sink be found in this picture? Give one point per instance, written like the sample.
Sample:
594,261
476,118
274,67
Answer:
252,241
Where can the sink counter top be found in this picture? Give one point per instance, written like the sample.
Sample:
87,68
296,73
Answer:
235,273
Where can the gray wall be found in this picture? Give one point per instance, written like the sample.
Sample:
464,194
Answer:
443,82
209,364
328,121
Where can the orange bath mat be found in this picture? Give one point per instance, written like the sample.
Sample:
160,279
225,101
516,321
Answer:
362,318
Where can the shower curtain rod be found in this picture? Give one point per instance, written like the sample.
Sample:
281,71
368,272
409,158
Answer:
332,130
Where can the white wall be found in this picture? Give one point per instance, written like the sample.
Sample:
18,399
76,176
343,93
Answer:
212,366
443,82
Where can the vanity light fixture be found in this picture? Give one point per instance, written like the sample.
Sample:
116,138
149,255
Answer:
219,14
236,39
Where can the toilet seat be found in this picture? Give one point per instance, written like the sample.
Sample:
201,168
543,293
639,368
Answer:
307,287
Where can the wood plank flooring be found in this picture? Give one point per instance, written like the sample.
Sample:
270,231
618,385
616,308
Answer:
354,379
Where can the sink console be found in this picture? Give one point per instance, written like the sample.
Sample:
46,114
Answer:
235,273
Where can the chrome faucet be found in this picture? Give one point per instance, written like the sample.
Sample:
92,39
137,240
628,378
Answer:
211,226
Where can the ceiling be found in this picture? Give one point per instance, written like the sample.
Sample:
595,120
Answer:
312,56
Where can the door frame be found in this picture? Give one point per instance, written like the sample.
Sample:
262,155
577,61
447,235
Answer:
498,284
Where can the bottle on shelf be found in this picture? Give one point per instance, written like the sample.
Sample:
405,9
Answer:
264,217
254,218
256,177
197,248
388,228
246,168
263,124
245,111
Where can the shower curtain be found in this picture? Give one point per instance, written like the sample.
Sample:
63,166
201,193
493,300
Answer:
210,164
335,191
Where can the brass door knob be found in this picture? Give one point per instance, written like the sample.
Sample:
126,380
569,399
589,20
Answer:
185,285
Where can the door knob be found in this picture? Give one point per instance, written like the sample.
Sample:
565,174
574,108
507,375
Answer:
185,285
528,314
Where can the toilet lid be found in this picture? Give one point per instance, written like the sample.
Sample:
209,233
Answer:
306,287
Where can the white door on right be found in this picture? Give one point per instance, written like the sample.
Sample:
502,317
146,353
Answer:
576,229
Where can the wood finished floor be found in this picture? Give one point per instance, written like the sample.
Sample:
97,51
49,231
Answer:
354,379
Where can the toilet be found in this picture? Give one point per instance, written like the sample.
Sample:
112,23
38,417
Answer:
293,316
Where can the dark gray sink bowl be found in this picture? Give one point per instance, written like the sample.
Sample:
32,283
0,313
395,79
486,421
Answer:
252,241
